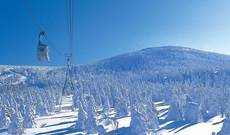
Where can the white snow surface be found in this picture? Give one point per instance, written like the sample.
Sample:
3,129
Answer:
204,128
63,123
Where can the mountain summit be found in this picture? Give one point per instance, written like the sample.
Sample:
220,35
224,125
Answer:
168,57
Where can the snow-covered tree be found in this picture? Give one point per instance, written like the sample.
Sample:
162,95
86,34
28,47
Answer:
91,122
101,130
175,113
81,121
41,108
16,123
106,105
28,118
148,109
137,124
226,128
3,121
152,119
50,100
75,99
20,104
177,101
192,112
121,107
226,125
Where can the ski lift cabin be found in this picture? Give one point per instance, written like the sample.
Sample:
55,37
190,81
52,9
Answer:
43,49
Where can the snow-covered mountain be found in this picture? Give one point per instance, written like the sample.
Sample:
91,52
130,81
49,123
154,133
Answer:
166,58
126,86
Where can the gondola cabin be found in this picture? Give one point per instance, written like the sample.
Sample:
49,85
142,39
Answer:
42,49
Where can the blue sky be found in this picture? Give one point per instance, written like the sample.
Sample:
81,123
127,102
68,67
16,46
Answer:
105,28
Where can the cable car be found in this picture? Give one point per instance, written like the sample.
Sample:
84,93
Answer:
43,49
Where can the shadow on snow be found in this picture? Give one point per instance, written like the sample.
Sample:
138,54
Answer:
120,131
176,125
3,130
62,131
61,123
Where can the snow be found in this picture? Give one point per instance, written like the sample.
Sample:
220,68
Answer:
62,122
53,122
14,78
21,79
156,69
204,128
162,108
124,122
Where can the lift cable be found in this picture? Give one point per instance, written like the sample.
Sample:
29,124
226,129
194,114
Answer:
70,23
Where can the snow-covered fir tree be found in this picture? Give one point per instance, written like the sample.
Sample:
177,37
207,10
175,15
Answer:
101,130
20,104
3,121
137,124
91,122
106,106
177,101
148,109
226,124
226,128
82,116
41,108
50,100
76,101
191,111
28,118
121,107
16,123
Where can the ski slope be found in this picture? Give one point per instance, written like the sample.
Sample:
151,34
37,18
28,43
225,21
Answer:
63,123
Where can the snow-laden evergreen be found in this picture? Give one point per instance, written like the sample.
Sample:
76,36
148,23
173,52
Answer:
41,107
101,130
192,112
3,121
121,107
91,122
82,116
137,124
226,125
28,119
16,123
150,114
107,105
226,128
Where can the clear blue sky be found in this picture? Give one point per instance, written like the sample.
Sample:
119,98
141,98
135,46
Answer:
105,28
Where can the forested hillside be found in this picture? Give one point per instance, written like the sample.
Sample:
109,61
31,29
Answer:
195,84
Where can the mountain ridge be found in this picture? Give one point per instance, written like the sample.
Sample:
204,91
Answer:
152,61
166,56
145,51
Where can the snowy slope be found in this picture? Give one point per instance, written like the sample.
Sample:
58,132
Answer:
63,123
169,62
151,67
169,58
